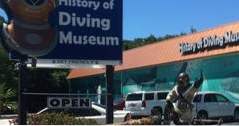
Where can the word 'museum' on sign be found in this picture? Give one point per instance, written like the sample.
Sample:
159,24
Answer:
67,33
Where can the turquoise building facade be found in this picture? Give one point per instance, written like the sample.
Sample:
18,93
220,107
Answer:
221,74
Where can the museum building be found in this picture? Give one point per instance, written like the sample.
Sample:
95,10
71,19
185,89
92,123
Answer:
152,67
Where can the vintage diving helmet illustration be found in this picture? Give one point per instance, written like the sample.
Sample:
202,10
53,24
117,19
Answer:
29,31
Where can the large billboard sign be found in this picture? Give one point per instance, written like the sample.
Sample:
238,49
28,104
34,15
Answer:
66,33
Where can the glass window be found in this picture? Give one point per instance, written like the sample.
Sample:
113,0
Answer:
221,98
134,97
197,98
162,96
210,98
149,96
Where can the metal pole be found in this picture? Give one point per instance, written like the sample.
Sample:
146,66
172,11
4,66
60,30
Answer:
109,96
22,114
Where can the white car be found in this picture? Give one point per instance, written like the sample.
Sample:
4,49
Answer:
97,113
214,105
119,115
146,103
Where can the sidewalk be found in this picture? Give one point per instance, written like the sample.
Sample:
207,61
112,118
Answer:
4,122
8,116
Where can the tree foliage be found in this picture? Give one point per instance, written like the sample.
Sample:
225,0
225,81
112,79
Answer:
48,80
8,72
38,80
137,42
8,83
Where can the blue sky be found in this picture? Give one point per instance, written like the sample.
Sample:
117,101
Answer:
142,18
160,17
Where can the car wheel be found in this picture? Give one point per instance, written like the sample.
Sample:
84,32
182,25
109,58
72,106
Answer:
202,115
236,115
157,115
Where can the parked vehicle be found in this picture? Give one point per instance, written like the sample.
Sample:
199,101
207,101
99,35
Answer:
214,105
96,112
146,103
119,104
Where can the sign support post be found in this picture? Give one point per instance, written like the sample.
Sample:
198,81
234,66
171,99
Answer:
22,114
109,96
53,34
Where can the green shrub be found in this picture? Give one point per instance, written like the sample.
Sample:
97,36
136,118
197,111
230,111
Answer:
58,119
10,108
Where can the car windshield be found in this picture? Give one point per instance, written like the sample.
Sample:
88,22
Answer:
134,97
197,98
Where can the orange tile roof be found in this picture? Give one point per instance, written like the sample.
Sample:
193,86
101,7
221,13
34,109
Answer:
164,52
